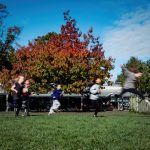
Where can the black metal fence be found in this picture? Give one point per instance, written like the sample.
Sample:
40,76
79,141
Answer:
2,102
69,102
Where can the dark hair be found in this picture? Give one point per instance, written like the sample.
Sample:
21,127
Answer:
94,79
53,85
133,69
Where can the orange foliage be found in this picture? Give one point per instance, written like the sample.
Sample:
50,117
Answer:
70,58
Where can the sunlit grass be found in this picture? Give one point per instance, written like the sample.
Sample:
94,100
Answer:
75,131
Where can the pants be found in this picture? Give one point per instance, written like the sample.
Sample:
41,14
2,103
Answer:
25,105
132,90
55,106
17,106
96,106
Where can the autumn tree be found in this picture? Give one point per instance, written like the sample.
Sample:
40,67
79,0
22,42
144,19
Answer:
80,57
70,58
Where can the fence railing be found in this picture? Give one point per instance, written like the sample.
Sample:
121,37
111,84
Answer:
137,105
69,102
78,102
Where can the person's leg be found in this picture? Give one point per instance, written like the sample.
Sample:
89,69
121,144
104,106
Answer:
137,93
16,110
15,105
123,92
19,107
95,104
97,107
140,95
24,107
7,106
57,105
51,111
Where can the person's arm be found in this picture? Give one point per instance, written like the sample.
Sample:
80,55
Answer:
25,90
62,93
13,88
138,75
125,70
94,90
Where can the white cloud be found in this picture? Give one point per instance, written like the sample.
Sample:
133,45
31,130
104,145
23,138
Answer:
130,36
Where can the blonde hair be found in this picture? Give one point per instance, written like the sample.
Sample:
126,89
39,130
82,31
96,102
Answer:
15,80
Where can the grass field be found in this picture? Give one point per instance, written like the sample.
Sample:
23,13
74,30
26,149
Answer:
75,131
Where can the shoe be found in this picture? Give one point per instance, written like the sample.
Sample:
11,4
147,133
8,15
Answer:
95,116
50,113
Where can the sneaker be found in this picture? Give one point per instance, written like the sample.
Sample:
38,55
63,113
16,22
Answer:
95,116
50,113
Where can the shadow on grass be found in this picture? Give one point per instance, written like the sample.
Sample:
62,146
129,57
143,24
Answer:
99,116
102,116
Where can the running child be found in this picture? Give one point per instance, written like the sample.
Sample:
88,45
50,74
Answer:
131,76
56,96
16,93
25,98
94,96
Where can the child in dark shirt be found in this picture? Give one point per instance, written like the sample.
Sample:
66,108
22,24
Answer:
16,94
56,96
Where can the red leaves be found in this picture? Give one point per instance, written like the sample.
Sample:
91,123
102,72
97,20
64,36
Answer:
65,58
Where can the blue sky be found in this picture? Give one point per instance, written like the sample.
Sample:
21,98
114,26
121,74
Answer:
123,25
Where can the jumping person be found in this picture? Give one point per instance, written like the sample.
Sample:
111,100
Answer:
16,93
131,76
56,96
25,98
94,95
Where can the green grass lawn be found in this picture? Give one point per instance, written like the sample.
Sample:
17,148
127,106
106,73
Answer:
75,131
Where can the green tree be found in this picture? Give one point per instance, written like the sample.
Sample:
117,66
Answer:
7,38
144,83
45,38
